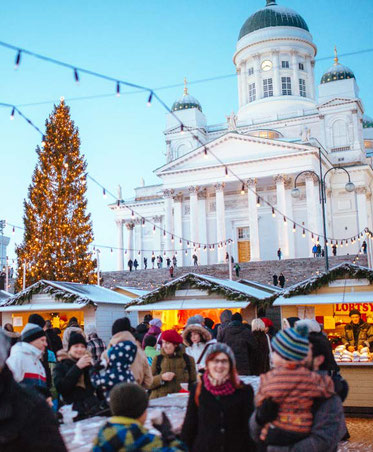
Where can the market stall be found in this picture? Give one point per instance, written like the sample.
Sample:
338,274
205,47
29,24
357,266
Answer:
59,301
190,294
330,298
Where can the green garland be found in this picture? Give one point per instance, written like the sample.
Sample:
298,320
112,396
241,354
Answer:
193,281
338,272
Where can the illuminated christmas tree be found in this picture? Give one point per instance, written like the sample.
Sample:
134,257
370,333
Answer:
58,230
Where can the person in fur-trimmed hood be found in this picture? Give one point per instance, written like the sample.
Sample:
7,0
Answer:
197,340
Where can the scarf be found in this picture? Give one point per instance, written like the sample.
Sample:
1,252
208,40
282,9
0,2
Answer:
221,387
80,382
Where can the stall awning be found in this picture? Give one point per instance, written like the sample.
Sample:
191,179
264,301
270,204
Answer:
38,307
190,304
330,298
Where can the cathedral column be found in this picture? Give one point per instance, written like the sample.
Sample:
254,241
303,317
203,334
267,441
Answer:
120,256
294,65
362,211
220,219
276,73
258,77
245,88
130,227
310,85
282,227
202,213
253,220
167,194
289,184
313,211
194,235
178,228
138,253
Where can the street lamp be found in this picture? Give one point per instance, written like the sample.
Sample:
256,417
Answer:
349,187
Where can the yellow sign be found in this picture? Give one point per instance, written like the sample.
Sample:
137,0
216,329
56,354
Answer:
329,322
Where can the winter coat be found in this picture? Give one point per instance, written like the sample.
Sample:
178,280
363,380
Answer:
365,335
67,376
241,341
141,331
121,356
67,334
220,329
54,341
140,367
182,365
12,336
95,346
219,424
24,362
153,331
27,423
197,349
261,361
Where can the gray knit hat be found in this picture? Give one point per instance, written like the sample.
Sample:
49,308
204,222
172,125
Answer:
31,332
221,348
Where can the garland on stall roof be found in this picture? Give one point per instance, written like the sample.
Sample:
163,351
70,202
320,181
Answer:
192,281
42,287
318,281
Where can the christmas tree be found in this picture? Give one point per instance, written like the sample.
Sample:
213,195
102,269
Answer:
58,230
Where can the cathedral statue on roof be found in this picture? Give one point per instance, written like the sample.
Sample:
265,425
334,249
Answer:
218,183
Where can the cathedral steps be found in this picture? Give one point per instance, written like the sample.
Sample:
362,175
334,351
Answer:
294,270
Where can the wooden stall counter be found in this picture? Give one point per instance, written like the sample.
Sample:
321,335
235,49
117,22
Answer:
359,377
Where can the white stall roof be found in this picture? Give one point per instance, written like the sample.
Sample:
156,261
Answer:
239,287
329,298
134,290
189,304
37,307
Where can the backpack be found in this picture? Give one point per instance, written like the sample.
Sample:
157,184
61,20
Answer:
159,360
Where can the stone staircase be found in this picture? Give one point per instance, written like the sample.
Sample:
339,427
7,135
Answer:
294,270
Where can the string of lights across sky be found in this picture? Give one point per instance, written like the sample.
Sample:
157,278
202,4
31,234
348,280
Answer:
227,170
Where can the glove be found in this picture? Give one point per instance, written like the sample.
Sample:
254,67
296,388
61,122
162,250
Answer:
266,412
164,428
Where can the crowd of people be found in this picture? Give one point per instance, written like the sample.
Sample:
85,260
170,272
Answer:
297,407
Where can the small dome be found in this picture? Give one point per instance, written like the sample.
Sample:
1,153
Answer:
272,15
187,101
337,71
367,122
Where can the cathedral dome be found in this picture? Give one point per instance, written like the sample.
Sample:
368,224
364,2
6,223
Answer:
186,101
272,15
337,71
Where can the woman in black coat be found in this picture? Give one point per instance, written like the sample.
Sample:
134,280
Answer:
261,355
219,407
72,378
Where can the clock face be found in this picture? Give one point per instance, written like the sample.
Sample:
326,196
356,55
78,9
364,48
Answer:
266,65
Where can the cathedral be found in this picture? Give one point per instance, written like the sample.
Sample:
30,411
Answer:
229,187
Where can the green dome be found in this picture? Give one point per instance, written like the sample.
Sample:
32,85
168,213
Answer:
337,72
272,16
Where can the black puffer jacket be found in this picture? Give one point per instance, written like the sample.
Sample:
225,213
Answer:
27,424
219,424
66,376
241,341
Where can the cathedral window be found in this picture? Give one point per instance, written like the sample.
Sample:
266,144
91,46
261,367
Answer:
301,66
286,86
252,92
302,87
250,71
267,87
285,64
340,134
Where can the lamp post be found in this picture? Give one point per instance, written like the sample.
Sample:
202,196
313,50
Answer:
349,187
2,226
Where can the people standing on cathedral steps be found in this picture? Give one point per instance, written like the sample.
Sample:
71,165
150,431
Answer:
174,261
237,269
364,247
153,260
168,262
135,264
145,263
279,254
281,280
130,264
334,250
275,280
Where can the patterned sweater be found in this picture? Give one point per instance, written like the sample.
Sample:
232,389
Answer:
122,434
294,388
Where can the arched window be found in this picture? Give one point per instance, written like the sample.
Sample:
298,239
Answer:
340,133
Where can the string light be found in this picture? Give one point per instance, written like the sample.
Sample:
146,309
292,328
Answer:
104,193
18,60
118,89
294,227
143,223
150,98
303,233
76,76
285,222
182,129
273,212
243,189
205,153
12,114
154,229
258,202
226,172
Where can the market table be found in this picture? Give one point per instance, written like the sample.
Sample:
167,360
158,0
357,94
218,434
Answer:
79,436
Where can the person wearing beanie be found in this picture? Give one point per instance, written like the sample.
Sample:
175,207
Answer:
72,327
219,407
36,319
120,358
122,324
262,357
72,377
225,319
25,359
172,366
241,341
292,386
357,334
125,429
155,326
27,422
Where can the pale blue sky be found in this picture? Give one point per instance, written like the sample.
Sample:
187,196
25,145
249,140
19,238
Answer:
154,43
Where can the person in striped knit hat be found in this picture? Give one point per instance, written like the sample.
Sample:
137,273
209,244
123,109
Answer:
292,386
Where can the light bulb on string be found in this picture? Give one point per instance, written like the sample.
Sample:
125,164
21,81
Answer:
164,233
154,229
104,193
258,202
182,128
204,248
285,222
172,238
243,189
336,243
13,230
43,143
132,214
139,253
175,253
12,114
111,250
186,252
226,172
118,89
346,243
205,153
273,212
294,227
17,60
150,99
180,241
143,223
318,240
76,76
118,203
312,237
303,233
341,243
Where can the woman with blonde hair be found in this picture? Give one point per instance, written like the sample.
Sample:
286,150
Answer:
262,357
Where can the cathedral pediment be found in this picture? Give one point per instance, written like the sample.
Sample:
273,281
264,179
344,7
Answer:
232,148
339,101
